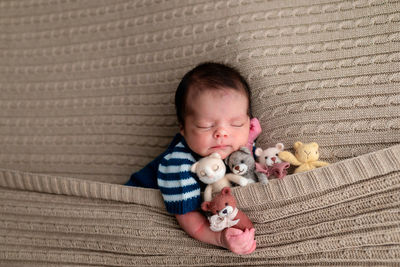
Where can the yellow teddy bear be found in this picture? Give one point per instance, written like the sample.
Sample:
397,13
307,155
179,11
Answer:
306,157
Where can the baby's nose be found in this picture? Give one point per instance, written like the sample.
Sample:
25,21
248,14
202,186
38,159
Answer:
220,132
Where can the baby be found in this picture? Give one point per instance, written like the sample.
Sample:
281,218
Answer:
213,108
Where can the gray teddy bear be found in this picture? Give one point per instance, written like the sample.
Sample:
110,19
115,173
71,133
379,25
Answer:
241,162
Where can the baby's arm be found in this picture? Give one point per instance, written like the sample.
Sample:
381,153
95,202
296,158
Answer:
197,226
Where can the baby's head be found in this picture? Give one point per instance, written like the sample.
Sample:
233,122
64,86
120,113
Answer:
213,107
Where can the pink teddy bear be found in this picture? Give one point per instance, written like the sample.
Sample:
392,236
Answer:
269,162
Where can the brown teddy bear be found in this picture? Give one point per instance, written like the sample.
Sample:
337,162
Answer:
225,213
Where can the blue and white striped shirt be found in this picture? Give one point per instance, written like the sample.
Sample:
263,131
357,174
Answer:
180,187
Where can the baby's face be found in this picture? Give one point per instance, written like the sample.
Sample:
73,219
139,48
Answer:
216,121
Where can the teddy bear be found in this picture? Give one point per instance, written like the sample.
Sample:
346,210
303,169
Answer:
306,157
225,213
241,162
269,163
211,170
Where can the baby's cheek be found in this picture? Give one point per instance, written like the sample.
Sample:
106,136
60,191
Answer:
241,140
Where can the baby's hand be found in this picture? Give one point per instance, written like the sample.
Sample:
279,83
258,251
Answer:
238,241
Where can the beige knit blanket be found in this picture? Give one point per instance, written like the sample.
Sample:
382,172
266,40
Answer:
344,214
86,99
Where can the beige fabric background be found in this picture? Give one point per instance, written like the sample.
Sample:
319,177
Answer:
86,98
87,86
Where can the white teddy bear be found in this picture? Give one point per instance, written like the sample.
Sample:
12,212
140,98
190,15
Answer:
269,156
269,163
211,171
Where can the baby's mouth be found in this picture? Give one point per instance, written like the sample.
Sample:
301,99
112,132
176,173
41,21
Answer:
219,146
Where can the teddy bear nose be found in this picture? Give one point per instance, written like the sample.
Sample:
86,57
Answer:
224,211
237,168
273,159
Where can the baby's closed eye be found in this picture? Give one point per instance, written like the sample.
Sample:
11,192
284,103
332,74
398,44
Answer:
237,124
204,126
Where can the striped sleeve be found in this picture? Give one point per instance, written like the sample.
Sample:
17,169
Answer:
180,190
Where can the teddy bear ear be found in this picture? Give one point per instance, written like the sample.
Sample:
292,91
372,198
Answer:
206,205
193,168
215,155
315,145
226,191
258,151
280,146
245,150
297,145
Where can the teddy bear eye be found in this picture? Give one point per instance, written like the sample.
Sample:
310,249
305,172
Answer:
216,167
226,204
242,161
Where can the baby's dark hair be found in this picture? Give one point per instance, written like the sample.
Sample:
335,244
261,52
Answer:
209,75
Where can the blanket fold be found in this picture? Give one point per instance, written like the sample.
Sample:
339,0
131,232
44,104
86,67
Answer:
346,213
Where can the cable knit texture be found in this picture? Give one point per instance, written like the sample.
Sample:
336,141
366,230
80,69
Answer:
86,98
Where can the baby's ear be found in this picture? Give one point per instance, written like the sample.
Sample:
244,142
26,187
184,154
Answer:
206,205
193,168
